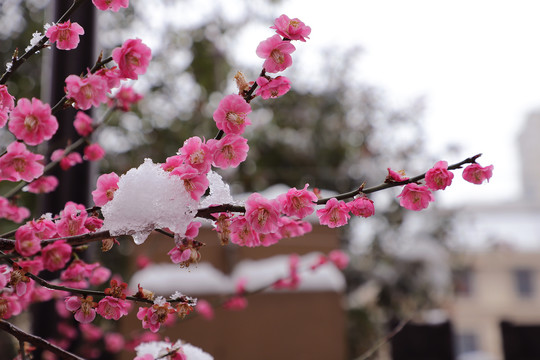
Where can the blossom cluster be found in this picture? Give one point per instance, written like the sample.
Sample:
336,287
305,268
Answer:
45,243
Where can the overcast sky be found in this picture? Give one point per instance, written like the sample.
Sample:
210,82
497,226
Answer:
476,63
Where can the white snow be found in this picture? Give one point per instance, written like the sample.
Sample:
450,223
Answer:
148,198
220,192
160,348
204,279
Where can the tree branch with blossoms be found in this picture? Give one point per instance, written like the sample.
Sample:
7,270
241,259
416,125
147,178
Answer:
165,197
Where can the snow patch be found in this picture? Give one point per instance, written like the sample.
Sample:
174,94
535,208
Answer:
148,198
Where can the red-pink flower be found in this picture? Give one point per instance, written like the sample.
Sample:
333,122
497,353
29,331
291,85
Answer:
396,176
242,234
94,152
125,97
438,177
112,308
32,121
26,241
83,124
56,255
272,88
12,212
231,114
477,174
10,305
171,163
298,203
237,302
334,214
113,5
194,183
276,52
229,151
66,35
132,58
42,185
196,154
7,103
20,164
362,206
43,228
111,76
72,220
415,197
262,214
114,342
292,29
205,309
152,317
66,161
339,258
86,92
291,228
84,308
107,184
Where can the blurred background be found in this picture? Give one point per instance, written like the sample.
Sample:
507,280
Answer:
379,84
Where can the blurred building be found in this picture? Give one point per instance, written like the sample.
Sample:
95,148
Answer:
308,323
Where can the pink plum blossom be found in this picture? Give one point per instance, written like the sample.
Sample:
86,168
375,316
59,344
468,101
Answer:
396,176
93,152
26,241
171,163
11,211
292,228
152,317
194,183
196,154
7,103
477,174
112,308
231,114
93,223
83,124
114,342
99,275
272,88
107,184
113,5
262,214
205,309
235,303
361,206
32,121
132,58
56,255
339,258
72,220
125,97
292,29
10,305
298,203
42,185
86,92
111,76
43,228
229,151
334,214
276,52
415,197
84,308
66,35
438,177
66,161
18,163
242,234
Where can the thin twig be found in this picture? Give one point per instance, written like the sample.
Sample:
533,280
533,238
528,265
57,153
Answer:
384,340
37,341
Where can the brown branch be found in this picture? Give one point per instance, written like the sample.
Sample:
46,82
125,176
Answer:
37,341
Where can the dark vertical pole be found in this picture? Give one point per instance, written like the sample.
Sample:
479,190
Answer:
74,183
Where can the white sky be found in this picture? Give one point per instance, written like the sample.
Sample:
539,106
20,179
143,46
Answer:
476,63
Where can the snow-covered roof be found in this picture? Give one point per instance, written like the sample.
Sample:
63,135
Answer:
204,279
